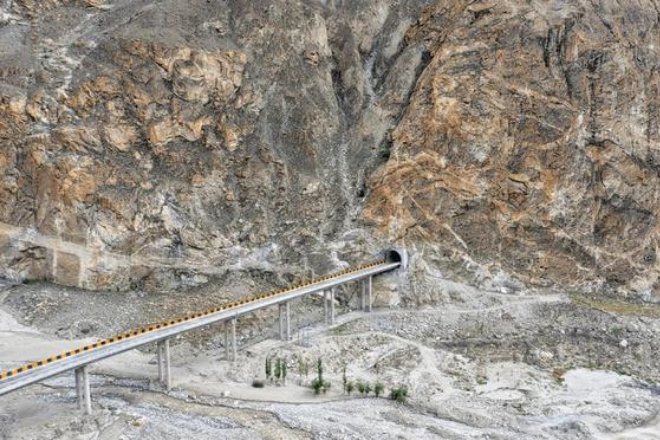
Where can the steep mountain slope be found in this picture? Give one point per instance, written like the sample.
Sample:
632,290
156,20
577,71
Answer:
510,144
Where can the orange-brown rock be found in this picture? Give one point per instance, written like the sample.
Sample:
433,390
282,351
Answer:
510,144
544,122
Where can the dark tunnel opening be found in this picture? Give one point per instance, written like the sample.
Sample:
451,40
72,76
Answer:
393,256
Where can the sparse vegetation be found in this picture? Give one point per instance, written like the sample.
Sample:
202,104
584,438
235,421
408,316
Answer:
364,387
278,370
269,369
399,394
350,386
378,389
367,388
319,384
344,379
616,307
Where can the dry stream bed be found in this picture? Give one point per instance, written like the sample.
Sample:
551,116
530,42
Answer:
490,366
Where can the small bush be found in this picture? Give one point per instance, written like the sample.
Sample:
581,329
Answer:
317,385
344,379
319,370
269,368
278,369
364,388
378,389
399,394
256,383
367,388
350,386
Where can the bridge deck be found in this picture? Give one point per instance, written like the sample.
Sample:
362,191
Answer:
37,371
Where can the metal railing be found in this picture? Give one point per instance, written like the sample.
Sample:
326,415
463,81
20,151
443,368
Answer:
77,359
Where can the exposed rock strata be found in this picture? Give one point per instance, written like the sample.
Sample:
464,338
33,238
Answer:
530,145
509,144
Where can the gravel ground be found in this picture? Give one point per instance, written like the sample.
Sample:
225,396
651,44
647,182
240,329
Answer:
491,367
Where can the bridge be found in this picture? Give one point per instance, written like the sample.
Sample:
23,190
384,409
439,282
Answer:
77,360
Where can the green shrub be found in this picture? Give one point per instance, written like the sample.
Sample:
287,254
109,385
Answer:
379,388
350,386
367,388
317,385
399,394
256,383
364,387
344,379
269,368
319,370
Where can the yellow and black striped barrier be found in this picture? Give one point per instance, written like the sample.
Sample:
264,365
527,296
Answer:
129,334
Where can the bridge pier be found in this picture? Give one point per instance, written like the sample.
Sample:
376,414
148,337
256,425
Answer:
333,293
79,387
226,326
159,359
168,369
363,288
164,368
233,339
83,391
287,308
87,390
369,289
285,321
325,305
365,295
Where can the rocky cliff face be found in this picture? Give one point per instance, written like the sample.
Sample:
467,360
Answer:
530,146
509,144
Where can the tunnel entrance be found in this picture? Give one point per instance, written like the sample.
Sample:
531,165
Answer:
392,256
396,255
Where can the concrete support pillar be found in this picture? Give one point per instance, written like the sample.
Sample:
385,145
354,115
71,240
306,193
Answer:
233,338
226,324
363,288
333,293
168,369
287,308
280,309
159,359
325,305
86,390
369,285
79,387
